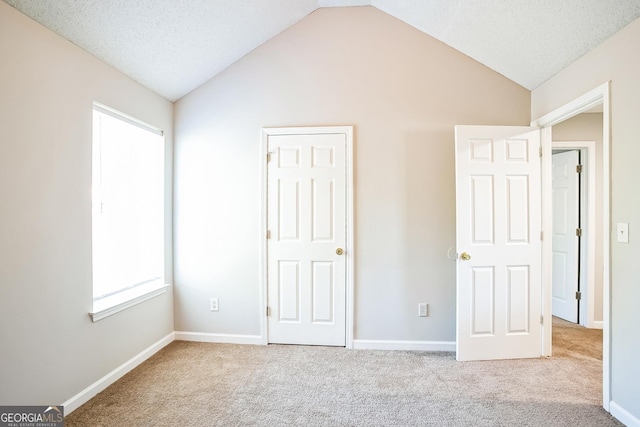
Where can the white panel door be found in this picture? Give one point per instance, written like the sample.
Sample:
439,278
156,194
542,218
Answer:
498,224
565,241
306,219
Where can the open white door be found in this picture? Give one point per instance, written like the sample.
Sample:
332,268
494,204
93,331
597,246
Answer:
565,239
498,217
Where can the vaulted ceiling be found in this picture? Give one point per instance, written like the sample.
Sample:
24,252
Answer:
173,46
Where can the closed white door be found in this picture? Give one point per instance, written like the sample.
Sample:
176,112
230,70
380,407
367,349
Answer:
498,224
306,251
565,245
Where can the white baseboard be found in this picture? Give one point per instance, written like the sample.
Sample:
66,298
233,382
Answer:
85,395
623,415
598,324
218,338
404,345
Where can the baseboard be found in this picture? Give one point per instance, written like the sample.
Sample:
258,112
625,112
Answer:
623,415
598,324
85,395
404,345
218,338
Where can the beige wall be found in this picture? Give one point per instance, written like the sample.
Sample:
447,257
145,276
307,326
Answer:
588,127
403,91
49,348
617,60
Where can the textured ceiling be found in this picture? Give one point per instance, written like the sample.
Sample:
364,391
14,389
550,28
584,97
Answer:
173,46
527,41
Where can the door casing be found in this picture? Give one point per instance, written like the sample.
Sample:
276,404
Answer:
349,249
598,96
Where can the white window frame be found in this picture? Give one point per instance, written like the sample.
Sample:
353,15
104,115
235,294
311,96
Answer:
125,298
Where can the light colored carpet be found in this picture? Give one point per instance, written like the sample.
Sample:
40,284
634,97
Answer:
201,384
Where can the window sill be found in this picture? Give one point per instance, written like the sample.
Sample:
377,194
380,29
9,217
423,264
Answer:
105,307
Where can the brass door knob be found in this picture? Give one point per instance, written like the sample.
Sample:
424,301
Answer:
339,251
465,256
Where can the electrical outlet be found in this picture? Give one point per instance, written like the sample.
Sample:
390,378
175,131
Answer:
423,309
213,304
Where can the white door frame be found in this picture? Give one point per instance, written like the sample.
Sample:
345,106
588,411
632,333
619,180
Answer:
587,304
349,249
595,97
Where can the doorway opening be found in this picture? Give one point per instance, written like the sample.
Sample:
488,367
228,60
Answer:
592,99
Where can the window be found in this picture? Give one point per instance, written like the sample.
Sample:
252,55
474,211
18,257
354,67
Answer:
128,212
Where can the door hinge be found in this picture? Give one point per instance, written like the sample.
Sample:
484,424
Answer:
578,168
542,320
578,295
579,232
540,151
268,234
268,311
542,235
268,157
